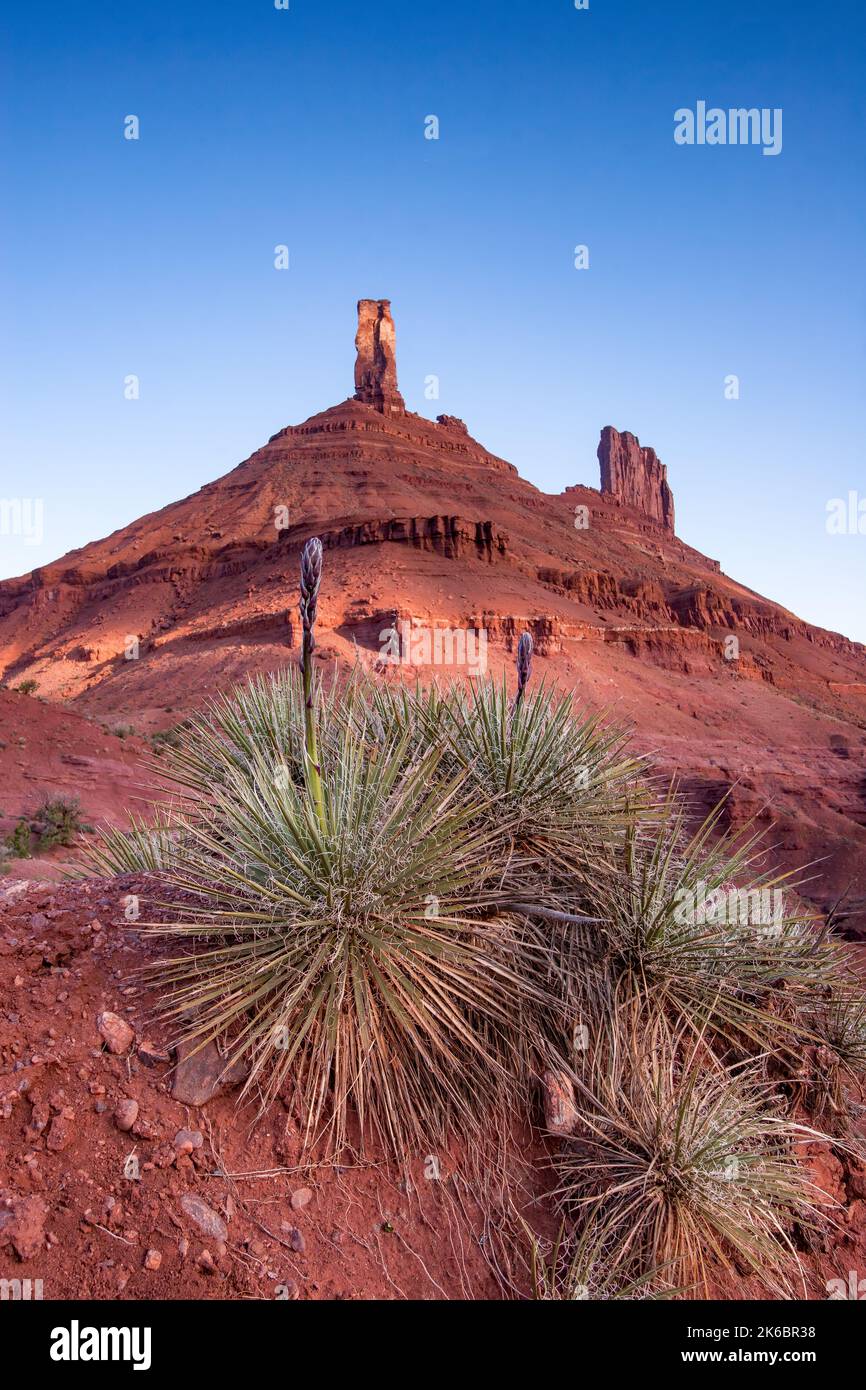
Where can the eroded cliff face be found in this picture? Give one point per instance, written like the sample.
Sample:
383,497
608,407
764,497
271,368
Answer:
635,476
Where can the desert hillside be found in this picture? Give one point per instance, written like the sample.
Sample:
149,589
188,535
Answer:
427,531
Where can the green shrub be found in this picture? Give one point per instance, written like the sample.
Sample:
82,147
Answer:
27,687
19,841
60,820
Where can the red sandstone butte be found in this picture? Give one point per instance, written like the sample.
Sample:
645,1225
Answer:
635,475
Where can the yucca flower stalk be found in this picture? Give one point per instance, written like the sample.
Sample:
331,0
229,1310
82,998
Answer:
311,578
524,666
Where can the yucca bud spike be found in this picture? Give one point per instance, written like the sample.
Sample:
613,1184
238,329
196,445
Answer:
311,578
524,663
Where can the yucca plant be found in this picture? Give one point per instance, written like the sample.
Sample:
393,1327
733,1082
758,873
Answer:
827,1070
683,1165
553,775
340,934
578,1267
676,928
349,955
143,848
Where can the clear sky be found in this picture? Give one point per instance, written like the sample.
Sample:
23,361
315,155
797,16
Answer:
306,127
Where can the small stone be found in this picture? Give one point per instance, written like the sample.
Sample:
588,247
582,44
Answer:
61,1131
126,1114
151,1056
208,1221
22,1225
205,1262
202,1073
301,1197
188,1139
297,1242
115,1032
152,1260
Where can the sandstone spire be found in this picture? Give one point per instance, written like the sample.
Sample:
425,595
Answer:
635,475
376,363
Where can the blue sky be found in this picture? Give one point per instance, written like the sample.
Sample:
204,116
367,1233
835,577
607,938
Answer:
306,127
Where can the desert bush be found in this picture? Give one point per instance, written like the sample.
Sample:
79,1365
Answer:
166,738
683,1165
348,954
59,821
577,1266
19,841
825,1073
675,928
27,687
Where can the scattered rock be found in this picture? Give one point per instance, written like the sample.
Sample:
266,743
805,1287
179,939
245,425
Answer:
202,1074
126,1114
151,1056
61,1131
115,1032
152,1260
301,1197
188,1139
22,1225
208,1221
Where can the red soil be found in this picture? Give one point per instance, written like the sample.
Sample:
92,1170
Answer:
67,955
73,1214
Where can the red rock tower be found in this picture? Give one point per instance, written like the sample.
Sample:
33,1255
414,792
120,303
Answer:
636,476
376,363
